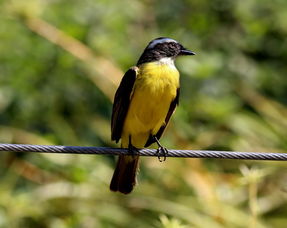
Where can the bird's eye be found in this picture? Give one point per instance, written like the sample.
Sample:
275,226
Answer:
173,45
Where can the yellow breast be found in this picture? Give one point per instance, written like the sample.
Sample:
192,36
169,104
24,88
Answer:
154,90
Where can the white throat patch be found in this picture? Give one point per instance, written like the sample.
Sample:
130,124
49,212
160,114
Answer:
159,41
167,61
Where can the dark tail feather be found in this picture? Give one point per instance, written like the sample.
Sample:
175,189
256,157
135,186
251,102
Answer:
124,178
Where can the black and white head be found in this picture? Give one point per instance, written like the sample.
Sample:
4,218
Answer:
161,48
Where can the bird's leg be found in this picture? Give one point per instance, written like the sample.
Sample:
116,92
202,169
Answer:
132,149
161,151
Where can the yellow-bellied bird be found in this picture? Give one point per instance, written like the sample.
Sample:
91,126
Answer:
144,102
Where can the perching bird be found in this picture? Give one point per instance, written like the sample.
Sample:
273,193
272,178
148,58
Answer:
144,102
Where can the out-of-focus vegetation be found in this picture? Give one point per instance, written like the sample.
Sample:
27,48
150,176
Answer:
60,62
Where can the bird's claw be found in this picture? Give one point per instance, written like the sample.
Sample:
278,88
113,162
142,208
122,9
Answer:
161,153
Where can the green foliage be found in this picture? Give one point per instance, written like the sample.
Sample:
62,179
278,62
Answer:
54,90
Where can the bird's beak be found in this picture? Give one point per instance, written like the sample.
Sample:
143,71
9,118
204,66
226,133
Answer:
186,52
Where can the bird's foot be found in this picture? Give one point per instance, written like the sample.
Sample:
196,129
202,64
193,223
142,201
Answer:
132,149
161,151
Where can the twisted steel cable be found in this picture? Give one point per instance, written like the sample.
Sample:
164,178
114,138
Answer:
144,152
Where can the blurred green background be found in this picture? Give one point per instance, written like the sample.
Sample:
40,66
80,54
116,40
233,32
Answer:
60,63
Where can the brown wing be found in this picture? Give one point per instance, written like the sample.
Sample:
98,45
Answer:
122,102
172,107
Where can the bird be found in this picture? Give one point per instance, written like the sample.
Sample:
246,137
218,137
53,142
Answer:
143,104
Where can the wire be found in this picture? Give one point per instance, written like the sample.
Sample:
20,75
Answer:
144,152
